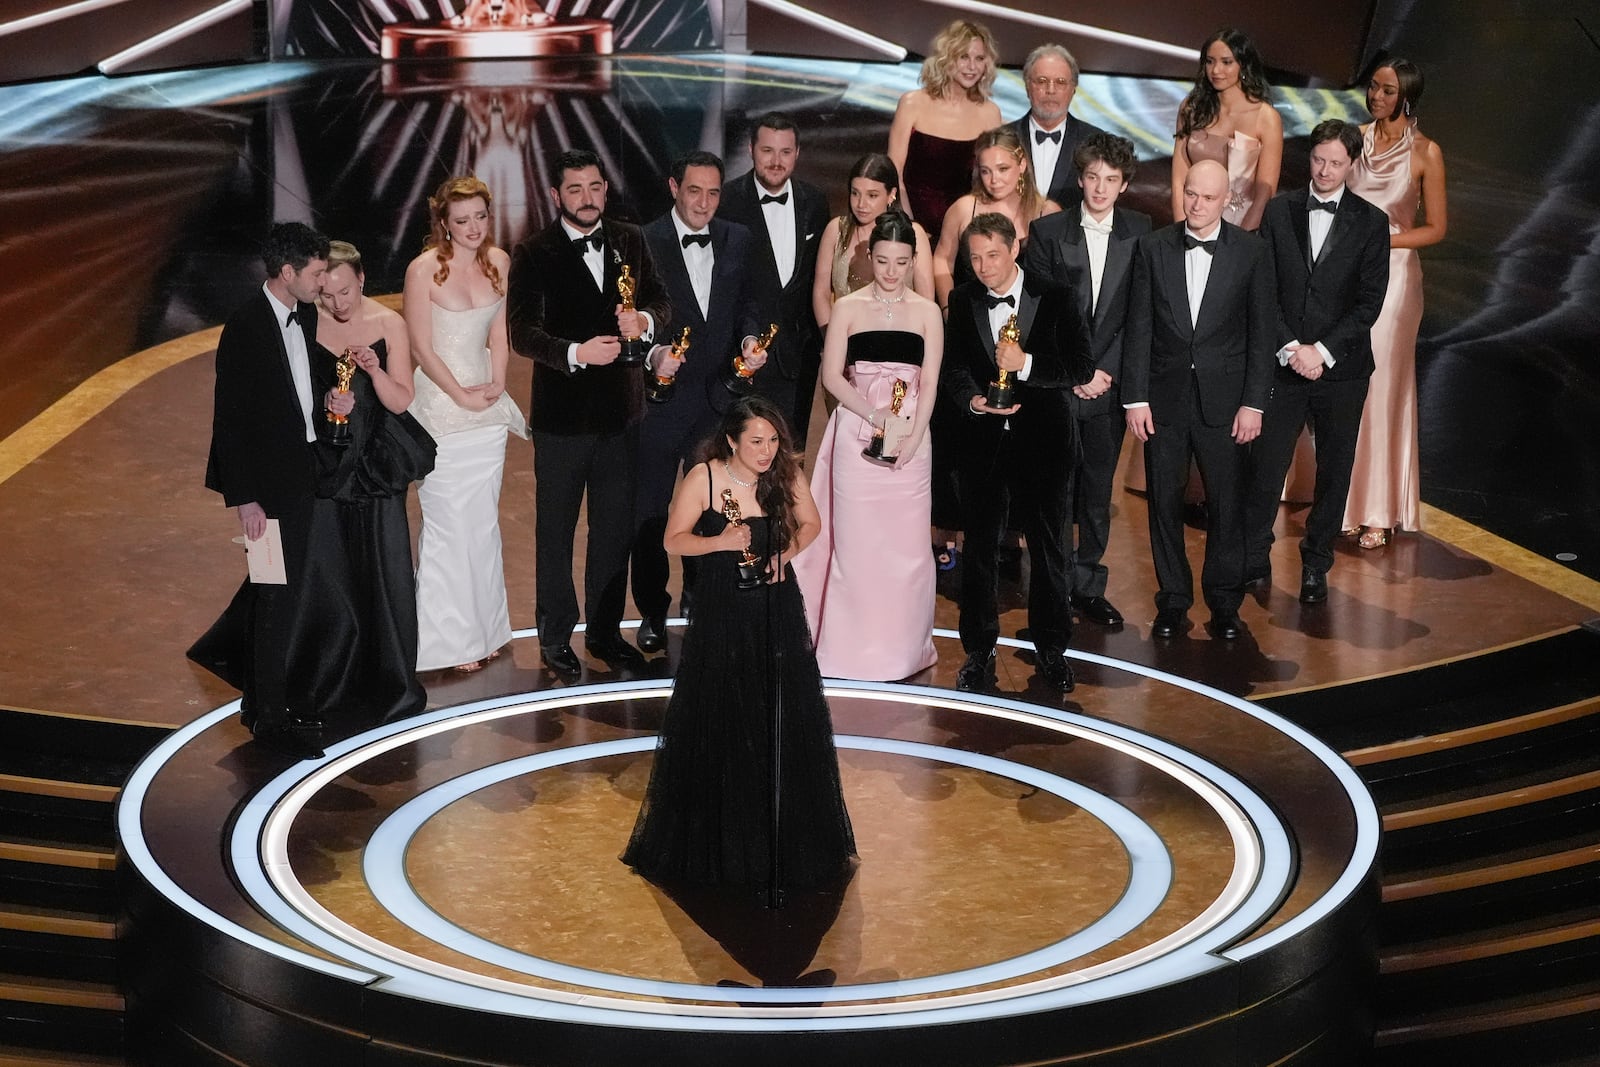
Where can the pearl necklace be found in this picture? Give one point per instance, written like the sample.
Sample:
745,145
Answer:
888,305
735,478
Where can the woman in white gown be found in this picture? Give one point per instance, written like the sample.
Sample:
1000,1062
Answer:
455,313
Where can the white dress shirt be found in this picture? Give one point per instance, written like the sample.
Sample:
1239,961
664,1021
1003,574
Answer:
294,342
699,260
1096,239
780,228
1046,154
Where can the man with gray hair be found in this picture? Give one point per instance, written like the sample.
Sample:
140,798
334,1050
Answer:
1050,133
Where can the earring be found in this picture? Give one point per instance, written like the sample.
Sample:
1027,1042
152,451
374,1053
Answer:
1406,108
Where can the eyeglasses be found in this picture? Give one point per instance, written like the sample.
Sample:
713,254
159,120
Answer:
1041,83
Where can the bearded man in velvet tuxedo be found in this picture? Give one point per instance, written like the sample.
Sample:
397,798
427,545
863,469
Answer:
262,461
563,312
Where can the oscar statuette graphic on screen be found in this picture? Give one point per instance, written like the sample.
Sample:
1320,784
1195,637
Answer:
490,29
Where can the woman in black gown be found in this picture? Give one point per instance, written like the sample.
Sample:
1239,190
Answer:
707,818
360,595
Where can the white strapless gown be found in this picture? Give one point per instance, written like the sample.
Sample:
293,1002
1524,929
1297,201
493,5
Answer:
461,586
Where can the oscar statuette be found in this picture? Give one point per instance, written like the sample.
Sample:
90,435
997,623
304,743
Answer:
633,349
346,370
658,390
751,567
498,29
1002,390
742,381
877,449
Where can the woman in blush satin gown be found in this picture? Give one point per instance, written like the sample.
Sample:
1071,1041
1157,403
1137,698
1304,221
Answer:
1399,168
708,818
868,579
935,126
455,313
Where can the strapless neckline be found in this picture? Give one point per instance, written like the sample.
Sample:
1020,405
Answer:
467,311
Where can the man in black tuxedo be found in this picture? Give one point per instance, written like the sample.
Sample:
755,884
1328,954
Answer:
562,311
1196,374
263,428
786,217
1051,135
705,263
1330,253
1024,450
1088,250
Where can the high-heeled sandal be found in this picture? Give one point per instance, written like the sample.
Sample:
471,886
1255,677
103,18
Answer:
1373,537
469,668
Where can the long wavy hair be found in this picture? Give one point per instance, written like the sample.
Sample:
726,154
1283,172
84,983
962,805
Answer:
453,191
1203,104
1005,138
775,485
947,47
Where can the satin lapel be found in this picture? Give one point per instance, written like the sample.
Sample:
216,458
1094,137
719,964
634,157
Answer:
1029,308
610,261
1171,250
680,290
980,316
1221,277
1119,254
274,328
1301,220
1342,221
799,233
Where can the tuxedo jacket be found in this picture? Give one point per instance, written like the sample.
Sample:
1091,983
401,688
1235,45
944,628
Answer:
1054,333
732,310
552,303
1230,349
259,451
789,305
1336,299
1057,252
1064,182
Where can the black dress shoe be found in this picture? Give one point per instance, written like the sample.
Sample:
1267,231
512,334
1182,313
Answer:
1055,670
1313,586
652,633
1225,626
561,659
1097,609
977,672
613,650
297,739
1170,622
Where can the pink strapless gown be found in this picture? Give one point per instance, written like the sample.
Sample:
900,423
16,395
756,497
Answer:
868,578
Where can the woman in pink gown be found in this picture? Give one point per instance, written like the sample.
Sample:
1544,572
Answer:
867,579
1399,169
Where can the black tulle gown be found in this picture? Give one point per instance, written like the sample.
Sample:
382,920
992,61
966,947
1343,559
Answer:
352,643
707,815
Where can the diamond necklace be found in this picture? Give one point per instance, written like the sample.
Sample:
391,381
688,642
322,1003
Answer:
735,477
888,305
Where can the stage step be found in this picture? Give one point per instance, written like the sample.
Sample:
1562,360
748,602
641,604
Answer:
60,776
1486,771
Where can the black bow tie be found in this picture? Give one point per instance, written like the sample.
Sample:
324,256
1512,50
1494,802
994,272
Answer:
1041,136
1330,206
995,301
596,238
781,198
701,239
294,317
1191,241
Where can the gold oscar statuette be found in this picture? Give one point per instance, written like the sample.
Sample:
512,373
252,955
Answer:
877,449
498,29
659,389
346,370
743,375
633,350
750,566
1003,389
